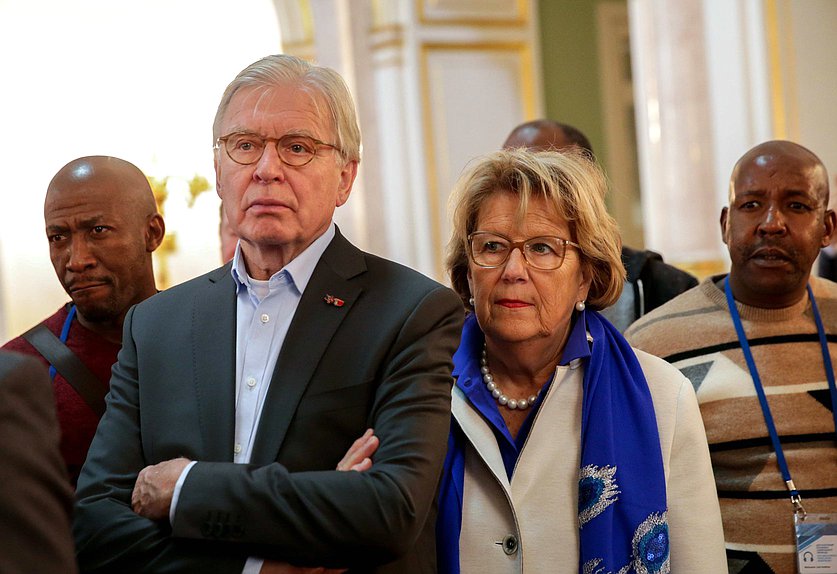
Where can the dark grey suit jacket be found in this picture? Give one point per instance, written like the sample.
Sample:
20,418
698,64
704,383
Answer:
35,494
382,360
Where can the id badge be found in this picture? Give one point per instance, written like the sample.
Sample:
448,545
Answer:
816,543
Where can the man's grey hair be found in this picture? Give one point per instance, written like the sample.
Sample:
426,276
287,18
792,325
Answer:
281,69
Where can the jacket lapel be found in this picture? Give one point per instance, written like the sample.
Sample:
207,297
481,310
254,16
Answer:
311,330
213,355
480,435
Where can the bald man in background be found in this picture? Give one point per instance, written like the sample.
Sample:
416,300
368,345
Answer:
102,226
649,282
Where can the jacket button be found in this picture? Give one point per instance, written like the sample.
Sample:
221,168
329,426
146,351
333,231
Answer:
510,544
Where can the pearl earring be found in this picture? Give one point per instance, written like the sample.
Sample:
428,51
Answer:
579,306
471,301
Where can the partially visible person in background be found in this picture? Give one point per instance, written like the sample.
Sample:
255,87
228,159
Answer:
102,226
35,499
229,239
827,261
650,282
568,451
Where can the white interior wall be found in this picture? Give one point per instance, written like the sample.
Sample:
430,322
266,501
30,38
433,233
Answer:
739,91
813,25
140,81
752,90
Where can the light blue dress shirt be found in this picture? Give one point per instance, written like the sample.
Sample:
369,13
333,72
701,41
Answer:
264,311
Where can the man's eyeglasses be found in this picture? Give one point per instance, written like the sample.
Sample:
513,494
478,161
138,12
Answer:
492,250
247,148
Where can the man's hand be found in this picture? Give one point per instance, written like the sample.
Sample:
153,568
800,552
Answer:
358,457
154,488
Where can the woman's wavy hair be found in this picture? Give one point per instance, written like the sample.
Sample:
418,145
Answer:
569,181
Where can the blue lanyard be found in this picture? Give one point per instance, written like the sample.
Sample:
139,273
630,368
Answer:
754,373
65,331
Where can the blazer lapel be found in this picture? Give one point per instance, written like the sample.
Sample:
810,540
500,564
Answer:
313,326
480,436
213,355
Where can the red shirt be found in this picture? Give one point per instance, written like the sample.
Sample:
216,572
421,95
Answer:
78,422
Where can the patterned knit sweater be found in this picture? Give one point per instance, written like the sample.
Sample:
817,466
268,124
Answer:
695,333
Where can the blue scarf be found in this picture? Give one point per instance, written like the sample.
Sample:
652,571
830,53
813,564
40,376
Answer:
622,493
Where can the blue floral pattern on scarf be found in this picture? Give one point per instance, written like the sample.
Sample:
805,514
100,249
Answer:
597,489
651,550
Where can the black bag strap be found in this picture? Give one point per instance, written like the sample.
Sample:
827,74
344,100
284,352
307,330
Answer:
69,365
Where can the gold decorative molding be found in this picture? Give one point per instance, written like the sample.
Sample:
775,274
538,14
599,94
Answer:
705,268
393,43
391,28
387,36
520,18
528,99
296,24
305,50
774,55
384,14
781,56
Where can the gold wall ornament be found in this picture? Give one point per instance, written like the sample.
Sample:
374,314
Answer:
197,185
160,188
703,268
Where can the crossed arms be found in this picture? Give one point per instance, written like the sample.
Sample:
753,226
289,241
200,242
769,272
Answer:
227,512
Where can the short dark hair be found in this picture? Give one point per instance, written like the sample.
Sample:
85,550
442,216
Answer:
543,134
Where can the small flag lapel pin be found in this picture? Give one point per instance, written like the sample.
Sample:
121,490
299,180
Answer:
332,300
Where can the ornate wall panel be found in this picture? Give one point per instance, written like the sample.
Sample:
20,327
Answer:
436,82
472,94
500,12
296,24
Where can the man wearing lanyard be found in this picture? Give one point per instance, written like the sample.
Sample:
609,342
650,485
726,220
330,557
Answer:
757,345
102,226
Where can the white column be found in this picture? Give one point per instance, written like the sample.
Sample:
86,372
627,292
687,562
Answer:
674,122
704,89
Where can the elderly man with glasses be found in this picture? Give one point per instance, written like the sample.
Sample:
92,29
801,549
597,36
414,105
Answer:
237,393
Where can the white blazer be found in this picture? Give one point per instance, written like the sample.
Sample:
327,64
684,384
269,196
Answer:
531,524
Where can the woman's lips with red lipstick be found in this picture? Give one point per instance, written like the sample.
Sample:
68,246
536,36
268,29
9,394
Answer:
513,303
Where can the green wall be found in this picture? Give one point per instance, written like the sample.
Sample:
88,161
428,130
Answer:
569,53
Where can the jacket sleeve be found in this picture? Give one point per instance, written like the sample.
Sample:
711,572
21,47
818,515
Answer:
316,517
342,519
35,498
694,515
109,536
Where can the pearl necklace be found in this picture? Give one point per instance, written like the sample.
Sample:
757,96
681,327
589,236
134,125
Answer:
512,404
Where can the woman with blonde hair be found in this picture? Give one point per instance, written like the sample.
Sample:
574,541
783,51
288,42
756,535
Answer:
569,450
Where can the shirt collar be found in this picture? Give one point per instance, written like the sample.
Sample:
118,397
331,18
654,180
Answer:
578,343
299,270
